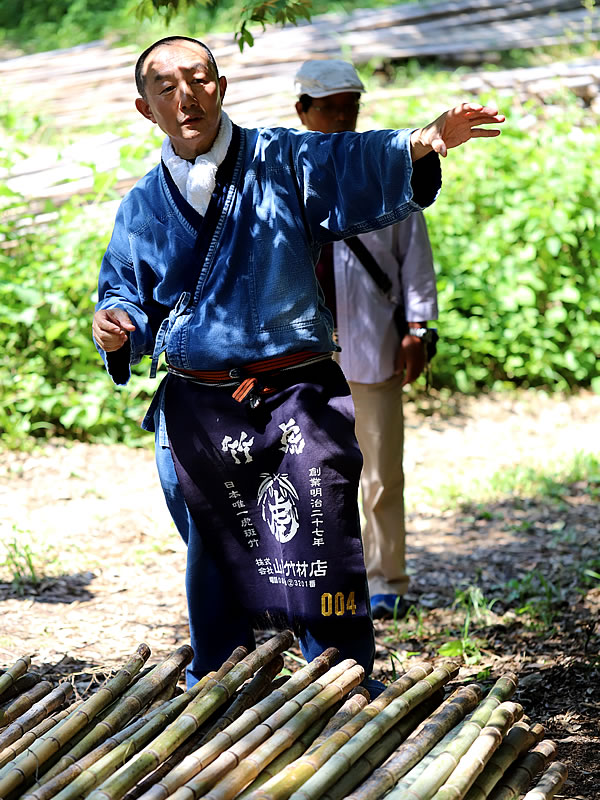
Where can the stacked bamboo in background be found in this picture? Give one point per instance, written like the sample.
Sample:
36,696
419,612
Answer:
247,732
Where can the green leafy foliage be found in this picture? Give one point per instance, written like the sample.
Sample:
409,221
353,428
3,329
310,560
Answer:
53,378
535,596
20,562
515,240
270,11
548,482
40,25
59,23
515,235
255,11
472,603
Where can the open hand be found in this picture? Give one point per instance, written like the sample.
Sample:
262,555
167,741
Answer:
455,127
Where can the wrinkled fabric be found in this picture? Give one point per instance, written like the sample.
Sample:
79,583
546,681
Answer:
196,181
252,291
367,333
273,491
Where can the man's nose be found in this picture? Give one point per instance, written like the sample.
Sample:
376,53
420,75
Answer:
186,95
342,113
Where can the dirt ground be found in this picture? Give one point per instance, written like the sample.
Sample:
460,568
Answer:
110,564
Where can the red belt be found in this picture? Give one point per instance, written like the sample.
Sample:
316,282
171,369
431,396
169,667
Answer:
245,378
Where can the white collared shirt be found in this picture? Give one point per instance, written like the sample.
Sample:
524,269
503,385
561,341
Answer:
366,330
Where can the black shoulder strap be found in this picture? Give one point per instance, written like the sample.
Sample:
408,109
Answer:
381,280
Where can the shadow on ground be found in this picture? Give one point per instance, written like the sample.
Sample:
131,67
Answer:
60,589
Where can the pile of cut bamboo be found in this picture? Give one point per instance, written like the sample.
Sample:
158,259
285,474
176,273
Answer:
248,732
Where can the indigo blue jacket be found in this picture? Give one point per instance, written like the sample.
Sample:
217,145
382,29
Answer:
239,285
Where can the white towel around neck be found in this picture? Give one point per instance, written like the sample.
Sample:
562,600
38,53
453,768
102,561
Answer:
196,181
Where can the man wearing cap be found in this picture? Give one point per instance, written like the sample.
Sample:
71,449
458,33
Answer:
382,329
211,262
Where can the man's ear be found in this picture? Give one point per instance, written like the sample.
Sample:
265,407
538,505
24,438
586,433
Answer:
144,109
222,86
301,113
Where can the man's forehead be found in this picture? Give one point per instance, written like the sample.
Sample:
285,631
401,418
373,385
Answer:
174,57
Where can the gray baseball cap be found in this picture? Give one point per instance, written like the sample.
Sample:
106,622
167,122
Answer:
320,78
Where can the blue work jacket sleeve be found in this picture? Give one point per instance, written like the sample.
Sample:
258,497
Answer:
117,288
357,182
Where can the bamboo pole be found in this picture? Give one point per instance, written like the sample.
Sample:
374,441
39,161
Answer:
14,672
323,727
12,751
279,681
427,759
479,753
38,711
237,656
519,739
439,771
376,754
205,780
357,700
28,763
550,783
110,756
168,693
64,778
124,710
333,719
250,694
518,779
296,774
22,684
24,702
299,771
236,780
295,750
302,681
447,717
104,760
456,742
254,691
341,761
52,787
143,673
198,711
199,735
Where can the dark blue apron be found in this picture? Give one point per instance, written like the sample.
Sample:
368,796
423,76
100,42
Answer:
273,492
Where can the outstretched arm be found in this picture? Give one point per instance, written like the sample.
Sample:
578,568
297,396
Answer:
453,128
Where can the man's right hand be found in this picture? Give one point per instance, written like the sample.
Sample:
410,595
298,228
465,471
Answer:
453,128
110,327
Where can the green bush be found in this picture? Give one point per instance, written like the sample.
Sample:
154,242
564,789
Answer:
53,381
515,234
48,24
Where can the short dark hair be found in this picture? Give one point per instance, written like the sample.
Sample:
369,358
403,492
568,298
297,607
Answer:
305,101
168,40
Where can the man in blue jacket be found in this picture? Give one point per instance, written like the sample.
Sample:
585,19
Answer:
211,261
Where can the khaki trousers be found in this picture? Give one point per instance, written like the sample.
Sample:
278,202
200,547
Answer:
380,434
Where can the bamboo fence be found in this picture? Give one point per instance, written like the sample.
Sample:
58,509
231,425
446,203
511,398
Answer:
249,732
